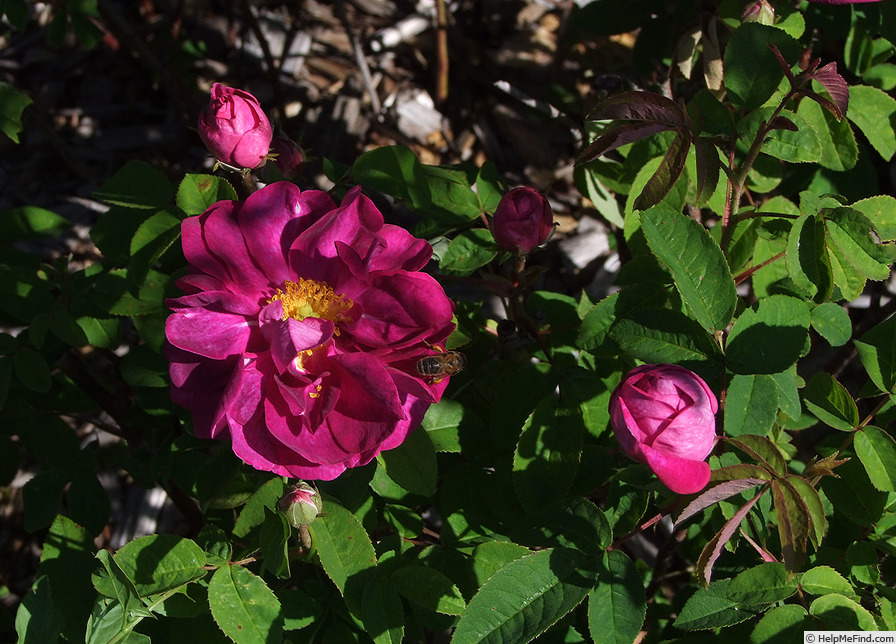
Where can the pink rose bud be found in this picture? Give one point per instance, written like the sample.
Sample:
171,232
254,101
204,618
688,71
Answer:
664,416
760,11
234,128
289,158
523,220
301,504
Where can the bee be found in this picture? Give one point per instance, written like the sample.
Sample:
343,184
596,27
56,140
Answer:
441,365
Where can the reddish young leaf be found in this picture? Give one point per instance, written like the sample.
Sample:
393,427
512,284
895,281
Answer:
713,549
793,523
834,84
765,452
740,471
659,185
715,494
818,523
707,169
641,106
618,136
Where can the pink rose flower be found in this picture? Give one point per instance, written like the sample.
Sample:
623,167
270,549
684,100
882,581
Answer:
300,330
234,128
523,220
664,416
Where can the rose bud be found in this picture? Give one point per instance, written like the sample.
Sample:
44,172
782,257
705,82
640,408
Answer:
289,159
301,504
234,128
523,220
664,416
760,11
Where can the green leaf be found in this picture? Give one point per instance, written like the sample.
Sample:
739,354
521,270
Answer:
829,401
32,370
839,613
881,210
877,351
853,234
596,324
799,146
38,620
253,512
824,580
468,251
491,556
88,502
429,588
782,624
762,584
816,513
664,335
442,422
12,104
547,455
572,522
762,450
120,293
793,523
299,609
274,541
853,495
604,201
382,612
752,72
345,551
696,263
616,605
710,608
769,336
832,323
199,191
154,237
872,112
30,222
244,607
137,185
157,563
524,598
488,187
807,258
877,451
413,464
751,405
42,496
839,151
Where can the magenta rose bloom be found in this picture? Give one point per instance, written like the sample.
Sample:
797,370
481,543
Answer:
234,128
300,329
289,160
523,220
664,415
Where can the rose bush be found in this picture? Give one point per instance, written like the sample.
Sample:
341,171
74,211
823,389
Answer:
300,328
234,128
523,220
664,416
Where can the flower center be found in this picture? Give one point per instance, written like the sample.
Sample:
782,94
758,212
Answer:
311,299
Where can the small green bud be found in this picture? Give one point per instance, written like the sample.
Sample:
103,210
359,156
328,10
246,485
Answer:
759,11
301,504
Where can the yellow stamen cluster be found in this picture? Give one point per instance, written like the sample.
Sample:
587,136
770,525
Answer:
311,299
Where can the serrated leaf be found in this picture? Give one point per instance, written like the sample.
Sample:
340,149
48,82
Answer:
710,608
751,404
491,556
793,523
570,522
853,495
413,464
872,110
853,234
382,612
157,563
345,551
524,598
616,605
696,263
429,588
546,459
807,259
244,607
840,613
818,522
762,584
640,106
618,136
137,185
717,493
199,191
713,548
274,541
877,351
468,251
781,624
253,512
881,210
830,402
838,148
796,140
762,450
667,173
834,84
768,337
752,73
832,322
876,450
38,619
824,580
26,223
664,336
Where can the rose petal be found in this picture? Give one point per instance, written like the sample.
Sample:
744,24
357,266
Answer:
681,475
208,333
292,336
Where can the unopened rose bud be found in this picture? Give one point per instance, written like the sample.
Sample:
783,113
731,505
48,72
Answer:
760,11
664,416
301,504
523,220
234,128
289,159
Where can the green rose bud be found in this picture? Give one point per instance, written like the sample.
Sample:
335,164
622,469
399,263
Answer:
301,504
